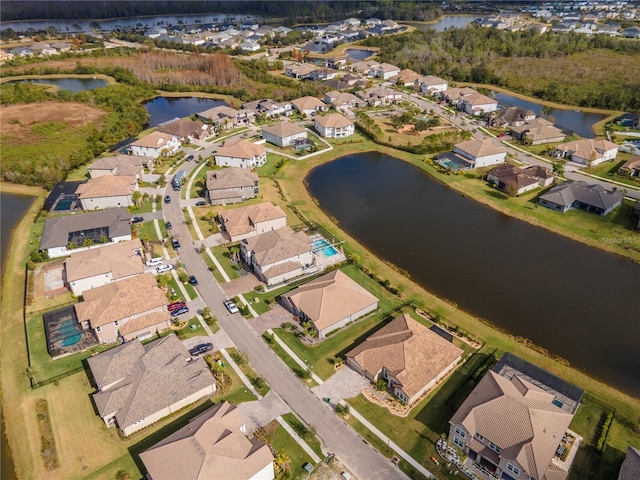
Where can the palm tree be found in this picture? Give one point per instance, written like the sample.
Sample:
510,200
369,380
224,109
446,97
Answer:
136,197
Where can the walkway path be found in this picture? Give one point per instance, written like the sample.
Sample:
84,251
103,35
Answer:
295,358
240,374
297,438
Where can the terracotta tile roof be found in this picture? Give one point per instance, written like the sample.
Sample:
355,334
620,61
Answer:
182,127
410,351
587,148
330,298
478,99
406,76
632,164
241,149
154,140
432,80
118,300
122,164
453,94
630,469
210,446
231,177
145,321
156,376
480,148
277,245
333,120
307,103
120,259
284,129
239,221
281,269
107,186
518,417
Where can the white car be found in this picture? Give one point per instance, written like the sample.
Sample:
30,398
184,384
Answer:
231,306
164,268
154,261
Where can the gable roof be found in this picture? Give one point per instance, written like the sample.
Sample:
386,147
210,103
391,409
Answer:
480,148
518,417
243,220
284,129
219,112
330,298
594,195
454,94
128,165
240,149
307,103
515,114
107,186
277,245
120,259
56,230
181,127
430,80
117,300
333,120
231,177
520,177
156,376
342,98
587,148
477,99
410,351
538,129
153,140
211,445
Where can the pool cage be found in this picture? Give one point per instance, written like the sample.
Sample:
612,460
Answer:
96,235
64,334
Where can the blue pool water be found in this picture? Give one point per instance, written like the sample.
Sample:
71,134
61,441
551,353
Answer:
325,247
70,331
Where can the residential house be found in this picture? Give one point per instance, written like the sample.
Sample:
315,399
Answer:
334,125
477,104
212,445
516,181
42,49
342,100
384,71
249,47
372,22
480,153
240,153
300,72
323,74
514,421
511,117
249,25
4,56
337,63
592,198
231,185
21,52
137,385
119,165
587,151
452,95
352,22
389,25
284,134
631,32
245,222
106,226
224,117
103,264
405,78
630,468
61,46
130,308
108,191
308,105
155,144
378,96
363,67
269,107
278,255
537,132
185,130
408,356
630,168
330,302
336,84
431,84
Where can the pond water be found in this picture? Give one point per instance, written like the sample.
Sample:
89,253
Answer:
578,122
449,21
163,109
358,54
576,301
72,84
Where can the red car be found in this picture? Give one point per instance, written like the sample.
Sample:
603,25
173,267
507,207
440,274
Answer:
176,306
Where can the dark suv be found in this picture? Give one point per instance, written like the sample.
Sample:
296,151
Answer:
200,349
179,311
167,199
175,244
193,280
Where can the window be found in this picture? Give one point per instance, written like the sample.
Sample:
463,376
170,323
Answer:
98,329
460,432
513,469
116,323
458,442
479,437
494,447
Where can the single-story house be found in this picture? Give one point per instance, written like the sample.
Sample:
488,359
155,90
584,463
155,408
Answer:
431,84
363,66
405,78
308,105
340,100
231,185
278,255
42,48
119,165
630,468
537,132
21,52
407,355
155,144
322,74
587,151
511,117
269,107
592,198
249,46
133,307
334,125
630,168
224,117
384,71
377,96
212,445
242,154
141,384
107,191
631,32
284,134
477,104
61,46
516,180
245,222
481,153
184,129
103,264
330,302
299,71
113,225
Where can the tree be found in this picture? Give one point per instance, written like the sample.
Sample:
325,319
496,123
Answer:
76,27
95,26
558,168
136,197
123,475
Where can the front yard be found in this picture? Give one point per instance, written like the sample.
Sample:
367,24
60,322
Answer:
609,171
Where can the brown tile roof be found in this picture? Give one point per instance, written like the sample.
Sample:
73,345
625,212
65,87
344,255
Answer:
239,221
145,321
281,269
107,186
307,103
231,177
182,127
241,149
632,164
210,446
410,351
219,112
277,245
304,69
453,94
330,298
432,80
343,98
538,129
333,120
118,300
123,164
478,99
521,177
154,377
120,259
284,129
587,148
518,417
406,76
153,140
480,148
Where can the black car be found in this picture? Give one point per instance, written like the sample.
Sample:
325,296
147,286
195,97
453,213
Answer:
168,225
167,199
189,158
137,220
200,349
193,280
179,311
201,203
175,244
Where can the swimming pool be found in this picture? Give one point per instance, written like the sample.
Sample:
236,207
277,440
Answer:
325,247
69,330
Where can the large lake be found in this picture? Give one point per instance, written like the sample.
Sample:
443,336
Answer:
449,21
163,109
576,301
72,84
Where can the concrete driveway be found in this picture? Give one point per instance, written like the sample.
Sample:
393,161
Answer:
346,383
261,412
274,318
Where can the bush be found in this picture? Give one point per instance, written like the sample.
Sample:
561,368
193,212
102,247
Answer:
602,439
381,385
342,409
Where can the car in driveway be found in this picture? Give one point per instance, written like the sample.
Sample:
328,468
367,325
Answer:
137,220
176,306
175,244
201,203
168,225
179,311
193,280
231,306
201,348
164,268
167,199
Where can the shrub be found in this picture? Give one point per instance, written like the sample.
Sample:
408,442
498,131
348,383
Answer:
381,385
602,439
342,409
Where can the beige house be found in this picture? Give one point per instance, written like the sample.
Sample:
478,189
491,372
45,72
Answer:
107,191
231,185
284,134
330,302
308,105
431,84
131,308
407,355
452,95
630,168
241,154
384,71
334,125
185,129
343,100
154,145
245,222
516,180
511,117
279,255
588,151
212,445
480,153
300,71
120,165
379,96
139,385
477,104
103,264
224,117
405,78
537,132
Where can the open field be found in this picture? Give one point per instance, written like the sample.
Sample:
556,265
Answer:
406,134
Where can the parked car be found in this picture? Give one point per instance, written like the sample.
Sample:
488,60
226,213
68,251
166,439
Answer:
167,199
168,225
201,203
201,348
193,280
231,306
179,311
164,268
189,158
137,220
154,261
175,244
176,306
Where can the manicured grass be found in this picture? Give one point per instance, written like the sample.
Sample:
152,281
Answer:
188,332
148,230
273,165
145,207
298,426
202,215
178,293
219,252
198,187
293,366
250,373
227,134
609,171
189,222
281,441
238,393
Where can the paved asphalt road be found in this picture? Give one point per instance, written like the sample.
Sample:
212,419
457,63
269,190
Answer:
337,436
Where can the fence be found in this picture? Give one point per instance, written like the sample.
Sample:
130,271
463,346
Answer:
35,384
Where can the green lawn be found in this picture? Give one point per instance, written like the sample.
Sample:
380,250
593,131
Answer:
227,134
212,267
202,215
188,332
219,252
145,207
178,293
273,165
198,188
608,171
295,368
148,229
281,441
299,428
250,373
